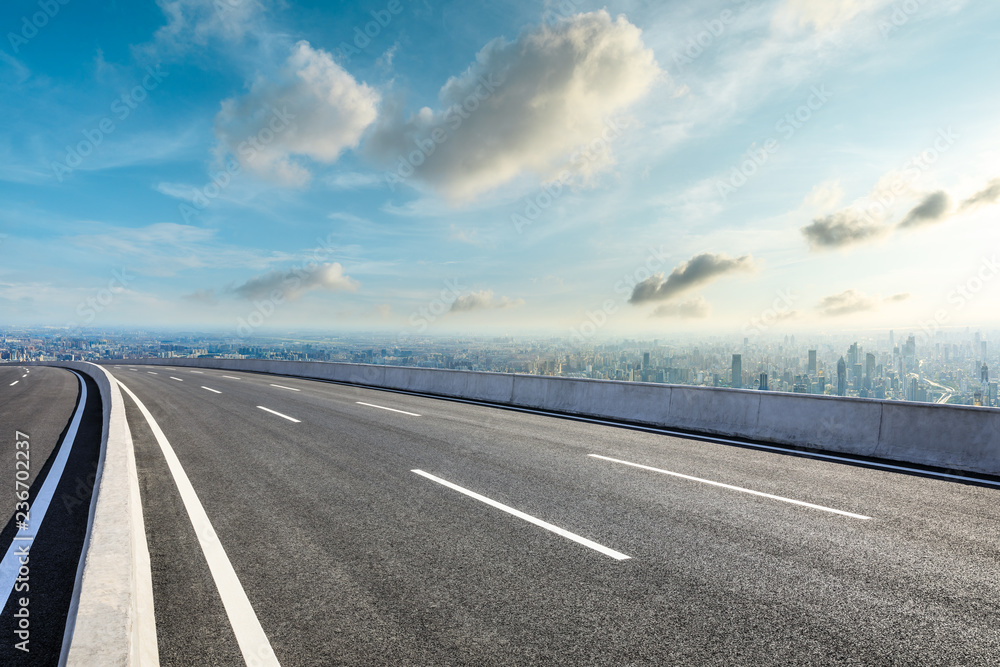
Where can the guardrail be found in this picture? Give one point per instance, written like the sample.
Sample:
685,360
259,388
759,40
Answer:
949,437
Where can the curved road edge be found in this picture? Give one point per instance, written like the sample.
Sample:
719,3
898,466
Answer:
111,619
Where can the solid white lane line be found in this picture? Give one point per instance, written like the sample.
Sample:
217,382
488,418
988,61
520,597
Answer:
24,538
214,391
230,377
178,379
404,412
14,382
275,412
734,488
527,517
250,635
280,386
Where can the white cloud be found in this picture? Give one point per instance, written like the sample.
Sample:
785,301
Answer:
482,300
824,15
295,283
201,22
524,107
696,308
312,108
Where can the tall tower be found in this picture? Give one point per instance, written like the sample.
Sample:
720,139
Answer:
812,362
841,377
737,371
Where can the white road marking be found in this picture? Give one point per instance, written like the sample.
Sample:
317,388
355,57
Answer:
275,412
152,373
24,376
230,377
214,391
134,369
404,412
734,488
14,382
254,644
178,379
527,517
281,386
198,372
24,538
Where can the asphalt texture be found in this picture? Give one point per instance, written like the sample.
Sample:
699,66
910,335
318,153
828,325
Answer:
41,404
350,558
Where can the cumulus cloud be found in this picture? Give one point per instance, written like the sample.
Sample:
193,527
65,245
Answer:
852,301
524,106
312,108
293,284
932,209
840,229
697,271
696,308
989,195
482,300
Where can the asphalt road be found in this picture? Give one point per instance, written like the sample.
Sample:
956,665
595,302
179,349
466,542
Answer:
349,557
37,405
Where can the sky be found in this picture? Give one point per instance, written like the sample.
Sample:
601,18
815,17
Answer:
577,168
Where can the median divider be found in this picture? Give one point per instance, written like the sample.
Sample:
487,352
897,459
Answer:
111,619
953,438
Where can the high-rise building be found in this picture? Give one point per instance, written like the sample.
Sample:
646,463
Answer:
841,377
852,355
645,360
984,374
869,370
812,362
737,382
763,381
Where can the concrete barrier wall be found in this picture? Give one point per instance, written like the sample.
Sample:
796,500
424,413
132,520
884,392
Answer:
952,437
111,618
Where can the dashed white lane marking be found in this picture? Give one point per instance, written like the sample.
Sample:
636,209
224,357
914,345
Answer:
617,555
178,379
734,488
230,377
275,412
24,376
214,391
380,407
14,382
17,553
198,372
254,644
281,386
152,373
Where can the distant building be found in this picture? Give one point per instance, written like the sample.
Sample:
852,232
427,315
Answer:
812,362
763,381
737,382
841,377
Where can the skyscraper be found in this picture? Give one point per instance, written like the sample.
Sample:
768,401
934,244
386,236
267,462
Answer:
763,381
869,371
812,362
737,371
841,377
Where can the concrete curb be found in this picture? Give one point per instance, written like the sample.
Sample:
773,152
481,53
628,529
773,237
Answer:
111,620
958,438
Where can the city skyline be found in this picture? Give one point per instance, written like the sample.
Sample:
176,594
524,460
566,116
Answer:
735,168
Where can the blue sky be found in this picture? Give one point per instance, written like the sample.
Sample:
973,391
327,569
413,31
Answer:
579,168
